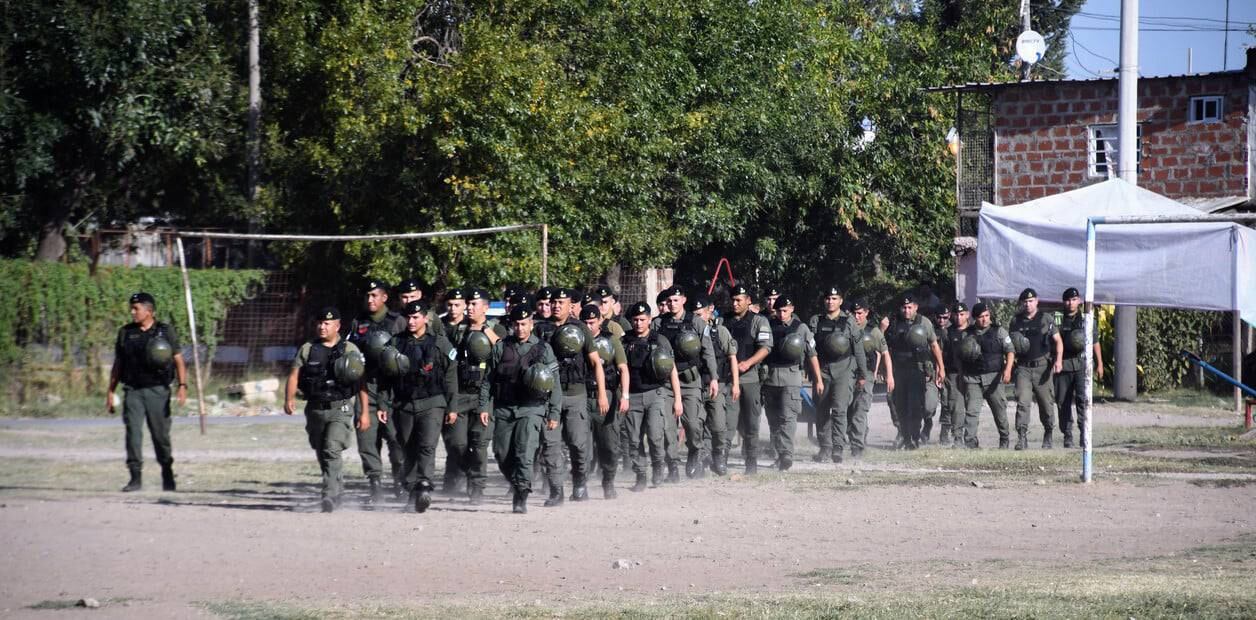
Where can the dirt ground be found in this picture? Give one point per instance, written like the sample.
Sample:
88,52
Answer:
890,524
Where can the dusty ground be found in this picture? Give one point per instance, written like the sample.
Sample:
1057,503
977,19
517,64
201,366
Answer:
244,528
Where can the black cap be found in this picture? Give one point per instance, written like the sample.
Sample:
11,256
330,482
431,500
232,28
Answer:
941,309
1070,293
520,312
663,294
375,283
589,298
771,291
859,304
830,291
959,307
1028,293
409,285
908,298
455,294
590,311
143,298
561,292
699,302
603,291
739,290
522,298
781,302
510,291
979,309
637,309
476,293
544,293
676,290
329,313
415,307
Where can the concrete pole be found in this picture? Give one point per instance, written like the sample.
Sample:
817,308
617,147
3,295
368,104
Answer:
1125,386
1025,25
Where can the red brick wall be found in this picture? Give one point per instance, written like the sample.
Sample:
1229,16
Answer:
1041,137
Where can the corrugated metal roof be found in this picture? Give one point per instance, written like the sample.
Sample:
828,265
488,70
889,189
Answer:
974,86
1212,205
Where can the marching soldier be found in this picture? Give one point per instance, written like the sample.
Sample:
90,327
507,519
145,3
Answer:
918,369
753,335
573,345
877,358
952,392
412,290
1039,357
370,332
329,370
843,367
782,396
1070,384
720,412
454,319
521,392
605,427
985,353
650,368
145,357
466,439
941,317
690,337
884,326
422,379
608,304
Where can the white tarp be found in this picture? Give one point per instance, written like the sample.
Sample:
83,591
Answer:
1042,244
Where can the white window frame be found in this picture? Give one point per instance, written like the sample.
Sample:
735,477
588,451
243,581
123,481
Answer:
1203,102
1096,166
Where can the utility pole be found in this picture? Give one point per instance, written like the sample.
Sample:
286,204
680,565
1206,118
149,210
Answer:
1025,26
254,155
1125,386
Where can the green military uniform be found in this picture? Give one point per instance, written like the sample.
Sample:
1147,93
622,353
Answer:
1070,384
146,396
695,376
648,400
466,440
750,332
329,409
782,389
573,426
873,345
417,402
914,389
982,382
952,392
721,412
371,440
840,372
1033,376
517,415
606,429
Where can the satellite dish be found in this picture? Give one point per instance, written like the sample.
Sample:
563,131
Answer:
1030,46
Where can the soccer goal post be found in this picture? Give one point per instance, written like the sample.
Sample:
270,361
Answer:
187,284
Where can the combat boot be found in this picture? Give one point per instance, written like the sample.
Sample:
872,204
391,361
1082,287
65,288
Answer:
519,504
691,465
752,466
924,433
673,474
944,437
328,504
656,477
377,491
167,478
640,485
1022,441
423,499
1068,440
837,456
475,496
136,482
822,456
1003,443
555,496
1046,441
784,463
608,489
718,463
579,493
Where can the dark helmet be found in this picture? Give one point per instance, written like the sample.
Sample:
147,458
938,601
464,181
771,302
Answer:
393,363
869,342
836,344
568,340
159,353
917,336
662,362
970,349
1076,342
1020,343
478,347
792,347
689,346
539,380
349,368
374,343
604,347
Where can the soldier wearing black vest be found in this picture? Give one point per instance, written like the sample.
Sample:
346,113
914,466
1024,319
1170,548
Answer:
378,324
877,358
146,357
454,434
331,412
543,319
844,368
648,395
782,395
697,376
1036,368
986,367
605,428
412,290
918,369
419,399
518,409
721,415
753,335
952,394
466,439
1070,383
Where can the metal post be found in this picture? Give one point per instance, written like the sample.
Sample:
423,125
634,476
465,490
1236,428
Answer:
196,354
1237,355
1025,25
544,254
1125,386
1088,317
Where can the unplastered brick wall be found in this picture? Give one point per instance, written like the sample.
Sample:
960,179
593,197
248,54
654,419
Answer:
1042,133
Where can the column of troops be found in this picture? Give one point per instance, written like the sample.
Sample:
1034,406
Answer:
571,381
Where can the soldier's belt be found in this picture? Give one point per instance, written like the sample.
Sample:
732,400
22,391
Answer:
325,405
1035,363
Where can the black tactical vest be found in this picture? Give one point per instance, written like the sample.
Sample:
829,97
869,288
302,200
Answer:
723,367
1069,324
670,327
741,333
427,369
992,355
826,326
574,369
392,324
508,388
136,371
470,375
897,338
610,372
950,347
776,359
641,377
1036,331
316,379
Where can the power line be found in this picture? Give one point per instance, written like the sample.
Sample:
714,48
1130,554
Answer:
1078,59
1092,52
1102,29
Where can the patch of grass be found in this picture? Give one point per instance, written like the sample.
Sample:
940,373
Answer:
1215,437
1224,483
1188,397
54,604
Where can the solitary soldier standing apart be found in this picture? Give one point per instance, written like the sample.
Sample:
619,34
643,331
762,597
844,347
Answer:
918,369
844,370
985,353
144,356
782,395
1070,384
324,370
753,335
522,394
1039,356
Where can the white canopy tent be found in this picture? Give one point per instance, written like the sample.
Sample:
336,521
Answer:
1153,251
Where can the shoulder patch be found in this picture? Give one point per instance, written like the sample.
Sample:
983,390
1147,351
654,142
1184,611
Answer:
453,354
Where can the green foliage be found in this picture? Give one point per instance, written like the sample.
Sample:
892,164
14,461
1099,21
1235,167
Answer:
1162,334
65,305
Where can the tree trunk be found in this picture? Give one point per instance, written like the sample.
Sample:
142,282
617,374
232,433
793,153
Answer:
51,242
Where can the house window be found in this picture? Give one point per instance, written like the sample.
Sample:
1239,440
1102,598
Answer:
1102,151
1205,109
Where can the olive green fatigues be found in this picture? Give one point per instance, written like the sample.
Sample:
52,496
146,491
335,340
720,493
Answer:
692,388
607,430
874,346
419,418
146,393
982,385
517,419
467,440
329,429
1070,384
573,426
1033,377
914,374
834,430
782,395
751,332
951,395
372,440
720,412
649,404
